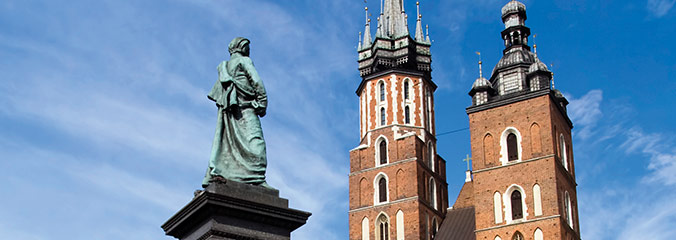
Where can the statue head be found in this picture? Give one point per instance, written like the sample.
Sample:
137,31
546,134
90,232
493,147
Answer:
239,45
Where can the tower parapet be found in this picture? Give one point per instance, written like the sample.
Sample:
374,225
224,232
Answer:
393,47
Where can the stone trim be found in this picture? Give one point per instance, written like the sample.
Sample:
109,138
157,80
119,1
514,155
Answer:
225,235
513,164
382,166
384,204
517,223
509,99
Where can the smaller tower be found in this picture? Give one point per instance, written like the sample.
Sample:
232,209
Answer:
523,184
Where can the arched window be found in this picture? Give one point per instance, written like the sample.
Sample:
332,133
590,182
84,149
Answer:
407,115
488,150
383,228
538,235
406,90
568,211
517,209
537,200
364,193
430,152
535,138
433,193
382,190
382,152
382,92
382,116
435,228
498,238
497,207
365,229
512,148
517,236
563,153
400,225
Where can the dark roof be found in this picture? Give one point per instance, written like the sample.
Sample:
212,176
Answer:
458,225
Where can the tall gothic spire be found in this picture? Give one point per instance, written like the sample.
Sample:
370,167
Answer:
393,19
405,51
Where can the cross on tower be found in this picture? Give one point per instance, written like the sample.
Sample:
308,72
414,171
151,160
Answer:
467,160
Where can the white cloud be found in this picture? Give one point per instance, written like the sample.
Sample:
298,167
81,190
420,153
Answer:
659,149
622,208
140,94
659,8
585,112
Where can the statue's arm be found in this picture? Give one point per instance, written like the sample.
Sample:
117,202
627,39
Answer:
257,84
223,75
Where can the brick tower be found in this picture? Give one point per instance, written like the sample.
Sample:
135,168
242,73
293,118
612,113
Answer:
398,183
523,183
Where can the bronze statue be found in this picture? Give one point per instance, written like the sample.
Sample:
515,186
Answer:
238,150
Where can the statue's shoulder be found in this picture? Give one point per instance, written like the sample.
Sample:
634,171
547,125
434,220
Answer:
244,60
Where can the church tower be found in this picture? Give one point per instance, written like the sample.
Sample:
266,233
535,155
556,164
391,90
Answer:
523,184
397,181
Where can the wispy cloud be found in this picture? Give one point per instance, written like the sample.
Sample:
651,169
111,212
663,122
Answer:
659,8
660,149
585,112
132,86
641,208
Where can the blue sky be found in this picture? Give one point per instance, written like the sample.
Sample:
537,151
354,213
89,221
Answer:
105,129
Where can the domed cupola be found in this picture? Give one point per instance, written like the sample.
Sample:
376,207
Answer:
538,76
482,89
513,14
509,75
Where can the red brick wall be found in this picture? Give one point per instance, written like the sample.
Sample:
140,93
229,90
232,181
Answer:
408,174
540,164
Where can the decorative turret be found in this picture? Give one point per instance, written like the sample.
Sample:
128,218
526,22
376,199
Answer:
538,74
367,32
481,89
418,26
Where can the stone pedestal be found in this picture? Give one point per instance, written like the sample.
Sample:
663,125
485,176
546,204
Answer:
234,210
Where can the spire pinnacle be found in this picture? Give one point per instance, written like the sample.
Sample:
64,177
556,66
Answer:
418,25
367,30
359,39
392,19
427,27
552,66
535,46
480,71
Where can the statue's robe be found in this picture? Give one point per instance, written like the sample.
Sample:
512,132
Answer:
238,150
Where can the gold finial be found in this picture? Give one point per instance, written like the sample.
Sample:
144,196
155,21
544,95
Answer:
366,8
417,3
535,46
480,62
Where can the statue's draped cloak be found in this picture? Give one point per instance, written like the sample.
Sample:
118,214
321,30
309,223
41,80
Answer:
238,150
